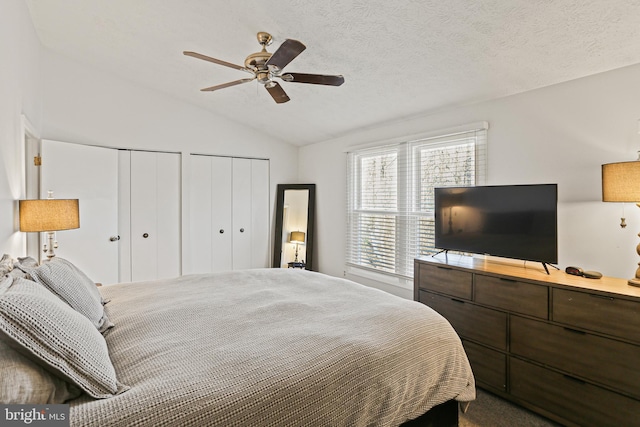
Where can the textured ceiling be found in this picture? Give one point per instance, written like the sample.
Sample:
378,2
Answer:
399,58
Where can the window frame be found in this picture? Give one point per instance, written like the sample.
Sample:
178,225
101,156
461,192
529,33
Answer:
408,208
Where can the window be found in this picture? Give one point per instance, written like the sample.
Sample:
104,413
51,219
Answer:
390,218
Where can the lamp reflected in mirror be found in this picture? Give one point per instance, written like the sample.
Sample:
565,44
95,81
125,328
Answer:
297,237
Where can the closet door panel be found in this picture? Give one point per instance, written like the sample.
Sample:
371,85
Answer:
221,214
242,223
260,214
168,215
144,226
155,215
201,222
124,215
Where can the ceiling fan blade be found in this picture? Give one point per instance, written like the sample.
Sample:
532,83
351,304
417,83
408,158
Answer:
316,79
277,93
216,61
222,86
286,53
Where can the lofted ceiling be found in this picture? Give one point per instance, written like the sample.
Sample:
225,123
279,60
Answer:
399,58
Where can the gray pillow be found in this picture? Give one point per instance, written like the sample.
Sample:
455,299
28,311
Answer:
22,381
48,330
21,265
73,287
6,264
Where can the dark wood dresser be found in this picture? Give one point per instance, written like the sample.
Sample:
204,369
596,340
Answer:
564,346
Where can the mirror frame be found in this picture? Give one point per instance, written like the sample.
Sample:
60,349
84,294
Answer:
311,207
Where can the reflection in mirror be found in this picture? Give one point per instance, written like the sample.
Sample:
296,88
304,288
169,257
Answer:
293,241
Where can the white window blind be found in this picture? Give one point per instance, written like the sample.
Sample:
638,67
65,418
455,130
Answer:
390,218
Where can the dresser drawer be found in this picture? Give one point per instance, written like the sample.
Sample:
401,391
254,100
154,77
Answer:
470,321
598,359
489,366
512,295
612,316
446,280
574,400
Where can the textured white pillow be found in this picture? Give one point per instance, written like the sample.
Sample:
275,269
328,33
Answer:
6,264
72,286
23,381
45,328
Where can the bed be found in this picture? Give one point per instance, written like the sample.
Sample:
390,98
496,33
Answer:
273,347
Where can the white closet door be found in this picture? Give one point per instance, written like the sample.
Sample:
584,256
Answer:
260,247
87,173
221,214
242,224
211,232
210,214
201,224
168,215
229,213
155,215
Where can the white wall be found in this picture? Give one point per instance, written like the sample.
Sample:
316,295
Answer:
87,106
558,134
20,89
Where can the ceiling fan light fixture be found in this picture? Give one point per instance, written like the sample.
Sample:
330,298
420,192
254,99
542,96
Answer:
263,77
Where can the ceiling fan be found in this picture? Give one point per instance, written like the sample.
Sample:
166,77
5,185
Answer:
265,67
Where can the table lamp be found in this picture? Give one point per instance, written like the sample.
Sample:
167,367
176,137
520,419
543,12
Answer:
296,237
49,215
621,183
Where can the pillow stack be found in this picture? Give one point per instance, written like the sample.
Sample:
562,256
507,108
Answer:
51,346
72,286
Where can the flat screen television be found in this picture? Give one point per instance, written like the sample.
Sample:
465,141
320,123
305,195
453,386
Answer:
511,221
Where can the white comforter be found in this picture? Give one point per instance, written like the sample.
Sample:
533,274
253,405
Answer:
274,347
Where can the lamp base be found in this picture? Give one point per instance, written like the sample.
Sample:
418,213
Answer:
50,245
634,282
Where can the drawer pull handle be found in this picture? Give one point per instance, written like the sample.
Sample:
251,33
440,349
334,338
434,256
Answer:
457,300
601,297
574,379
504,279
443,268
575,331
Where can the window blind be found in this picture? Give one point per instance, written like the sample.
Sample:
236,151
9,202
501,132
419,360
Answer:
390,217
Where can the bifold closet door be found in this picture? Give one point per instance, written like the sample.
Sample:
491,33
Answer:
250,207
86,173
229,218
211,234
155,215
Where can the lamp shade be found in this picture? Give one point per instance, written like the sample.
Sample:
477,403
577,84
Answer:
621,182
49,215
297,237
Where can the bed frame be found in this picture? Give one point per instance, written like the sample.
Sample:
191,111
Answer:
443,415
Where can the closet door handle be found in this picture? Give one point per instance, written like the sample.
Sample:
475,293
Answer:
222,231
114,238
145,235
242,230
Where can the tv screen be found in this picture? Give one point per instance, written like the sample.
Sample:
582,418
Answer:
512,221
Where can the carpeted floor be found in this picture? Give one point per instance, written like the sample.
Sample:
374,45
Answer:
489,410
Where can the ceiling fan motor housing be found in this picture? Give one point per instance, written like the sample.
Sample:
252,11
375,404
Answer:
257,61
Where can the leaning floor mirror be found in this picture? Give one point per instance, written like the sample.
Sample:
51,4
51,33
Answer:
293,239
